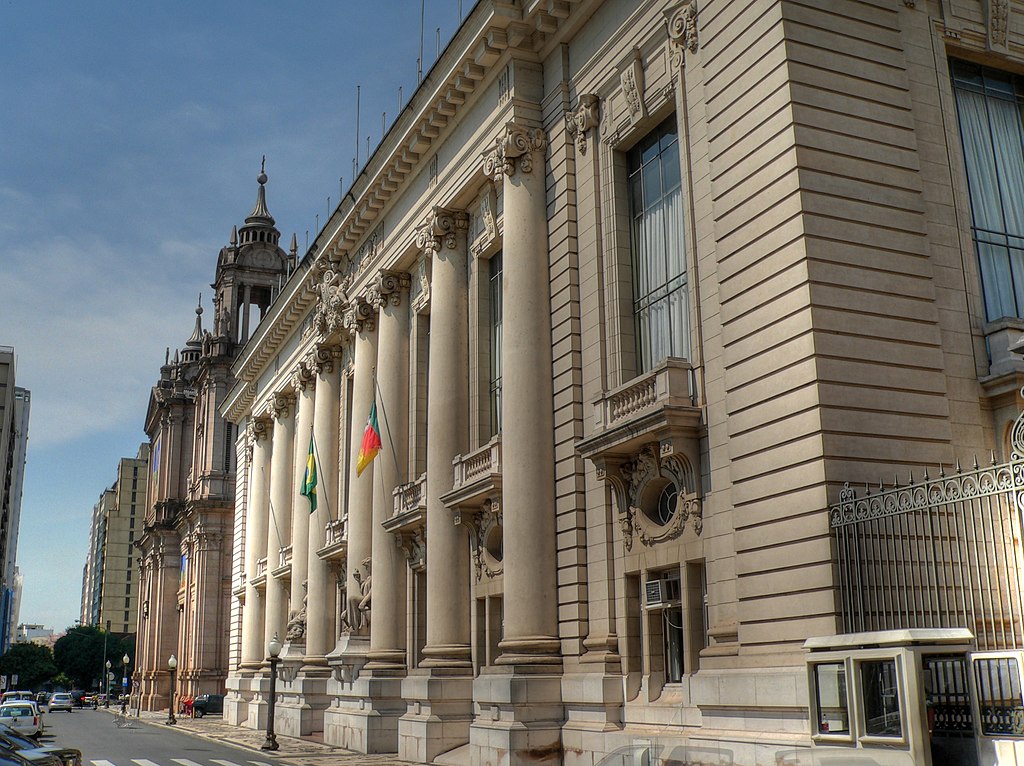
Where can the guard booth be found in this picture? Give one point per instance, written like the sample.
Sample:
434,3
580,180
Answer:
917,696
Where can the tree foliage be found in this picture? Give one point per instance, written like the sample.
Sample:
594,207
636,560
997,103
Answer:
33,664
79,654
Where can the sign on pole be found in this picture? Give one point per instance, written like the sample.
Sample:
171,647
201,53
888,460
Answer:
3,682
14,679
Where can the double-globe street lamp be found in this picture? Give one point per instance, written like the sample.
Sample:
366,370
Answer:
274,651
124,681
172,665
106,687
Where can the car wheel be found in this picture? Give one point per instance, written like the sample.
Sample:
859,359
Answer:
198,713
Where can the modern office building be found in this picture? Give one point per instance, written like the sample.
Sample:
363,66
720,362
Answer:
15,406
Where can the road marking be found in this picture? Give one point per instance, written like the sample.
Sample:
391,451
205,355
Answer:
259,763
101,763
144,762
223,763
185,762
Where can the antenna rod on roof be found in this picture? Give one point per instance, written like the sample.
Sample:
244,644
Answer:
357,125
419,61
460,11
341,187
383,124
437,55
399,98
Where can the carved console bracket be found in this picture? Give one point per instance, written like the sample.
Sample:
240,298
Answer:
582,119
682,31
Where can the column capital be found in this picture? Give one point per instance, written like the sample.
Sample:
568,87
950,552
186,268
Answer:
513,150
388,288
281,404
439,229
582,119
360,315
257,429
324,357
682,30
302,375
331,287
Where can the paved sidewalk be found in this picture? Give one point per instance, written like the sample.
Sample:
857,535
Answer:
300,752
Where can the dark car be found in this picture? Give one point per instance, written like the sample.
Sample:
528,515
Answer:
28,757
34,753
204,704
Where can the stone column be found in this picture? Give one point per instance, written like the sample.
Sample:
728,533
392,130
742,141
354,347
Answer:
320,616
280,517
361,320
387,636
448,613
255,543
527,438
302,380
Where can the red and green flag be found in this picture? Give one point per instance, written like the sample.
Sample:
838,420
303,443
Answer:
371,441
309,480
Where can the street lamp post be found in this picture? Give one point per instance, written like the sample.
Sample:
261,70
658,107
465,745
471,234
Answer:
172,665
274,650
124,682
106,687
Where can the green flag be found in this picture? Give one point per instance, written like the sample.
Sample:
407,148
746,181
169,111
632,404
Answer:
309,480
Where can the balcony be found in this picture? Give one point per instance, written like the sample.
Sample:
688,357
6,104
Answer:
477,476
335,540
283,571
409,522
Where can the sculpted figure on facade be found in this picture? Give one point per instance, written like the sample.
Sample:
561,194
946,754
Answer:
297,619
356,617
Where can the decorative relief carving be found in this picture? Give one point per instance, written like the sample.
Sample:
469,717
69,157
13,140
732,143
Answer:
632,81
998,18
485,538
513,150
635,497
324,358
584,117
256,430
331,287
414,545
682,30
420,290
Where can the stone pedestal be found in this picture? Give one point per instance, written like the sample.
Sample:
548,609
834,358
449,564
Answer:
520,716
365,705
438,714
236,701
302,695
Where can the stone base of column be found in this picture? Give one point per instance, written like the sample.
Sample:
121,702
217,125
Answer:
520,718
302,701
593,701
364,713
240,694
438,715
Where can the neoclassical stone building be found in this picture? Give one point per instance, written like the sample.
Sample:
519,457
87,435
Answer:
185,542
636,287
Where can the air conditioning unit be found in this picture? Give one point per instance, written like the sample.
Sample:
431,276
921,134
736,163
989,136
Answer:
660,593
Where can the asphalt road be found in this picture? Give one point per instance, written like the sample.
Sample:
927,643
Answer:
104,744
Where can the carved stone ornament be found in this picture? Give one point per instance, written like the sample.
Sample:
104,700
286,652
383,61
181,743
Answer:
582,119
256,430
420,290
682,30
389,288
414,546
302,375
513,150
324,358
331,287
281,404
631,481
440,229
632,80
481,525
360,316
998,23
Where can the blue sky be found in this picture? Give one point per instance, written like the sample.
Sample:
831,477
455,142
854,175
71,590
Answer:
130,140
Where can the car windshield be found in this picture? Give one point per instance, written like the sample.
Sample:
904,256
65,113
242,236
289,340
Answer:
9,711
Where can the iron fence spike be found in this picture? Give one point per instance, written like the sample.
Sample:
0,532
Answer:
958,468
976,466
942,471
993,452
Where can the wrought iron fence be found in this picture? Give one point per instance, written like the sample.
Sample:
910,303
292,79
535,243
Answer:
943,552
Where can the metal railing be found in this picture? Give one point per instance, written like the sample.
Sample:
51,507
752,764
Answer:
943,552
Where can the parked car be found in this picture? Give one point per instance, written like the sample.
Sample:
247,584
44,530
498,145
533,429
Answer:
61,701
22,716
204,704
77,697
15,696
26,748
15,758
42,698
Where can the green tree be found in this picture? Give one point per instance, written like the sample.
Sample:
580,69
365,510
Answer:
33,664
79,654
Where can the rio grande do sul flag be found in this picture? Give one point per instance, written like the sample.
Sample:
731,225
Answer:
371,441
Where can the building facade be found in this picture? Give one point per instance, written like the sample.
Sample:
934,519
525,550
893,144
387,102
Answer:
184,547
632,290
15,407
109,582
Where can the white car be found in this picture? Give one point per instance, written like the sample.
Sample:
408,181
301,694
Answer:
61,701
23,717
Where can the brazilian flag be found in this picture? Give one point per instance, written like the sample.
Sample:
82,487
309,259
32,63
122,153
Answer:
309,480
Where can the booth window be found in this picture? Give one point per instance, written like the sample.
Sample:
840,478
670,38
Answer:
832,700
999,695
881,698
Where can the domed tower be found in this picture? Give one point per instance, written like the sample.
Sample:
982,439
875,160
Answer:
249,271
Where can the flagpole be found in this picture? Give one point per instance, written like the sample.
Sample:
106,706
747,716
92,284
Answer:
316,457
394,453
273,515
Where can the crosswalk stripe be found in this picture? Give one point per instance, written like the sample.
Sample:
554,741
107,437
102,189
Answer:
186,762
223,763
144,762
101,763
259,763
